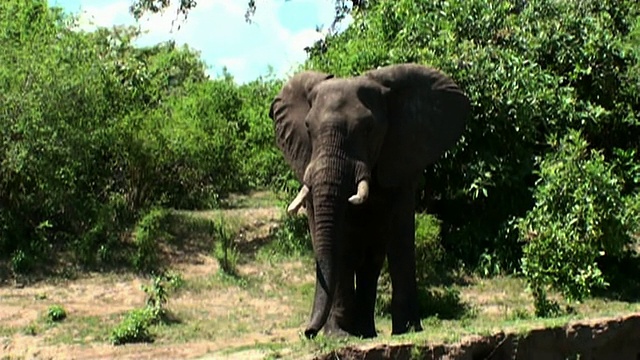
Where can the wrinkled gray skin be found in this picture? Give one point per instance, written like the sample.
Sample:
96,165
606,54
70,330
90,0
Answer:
358,145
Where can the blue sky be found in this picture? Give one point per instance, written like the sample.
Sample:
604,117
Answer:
277,37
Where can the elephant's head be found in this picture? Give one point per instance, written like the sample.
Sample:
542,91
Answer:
341,136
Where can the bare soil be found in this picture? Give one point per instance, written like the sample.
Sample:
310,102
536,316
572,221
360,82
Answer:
261,315
106,297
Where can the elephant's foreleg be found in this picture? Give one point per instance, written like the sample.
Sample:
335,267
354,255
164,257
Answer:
402,266
366,291
341,318
371,236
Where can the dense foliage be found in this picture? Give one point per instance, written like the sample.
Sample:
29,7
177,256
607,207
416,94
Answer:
95,131
535,71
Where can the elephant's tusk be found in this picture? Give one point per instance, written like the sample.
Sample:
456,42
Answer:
297,203
362,194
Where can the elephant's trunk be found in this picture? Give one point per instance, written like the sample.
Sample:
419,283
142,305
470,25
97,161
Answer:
333,178
329,203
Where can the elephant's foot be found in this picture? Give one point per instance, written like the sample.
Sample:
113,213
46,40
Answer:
367,332
361,330
406,326
336,332
365,325
338,327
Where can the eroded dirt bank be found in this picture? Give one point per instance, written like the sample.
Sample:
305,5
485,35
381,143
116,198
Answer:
600,339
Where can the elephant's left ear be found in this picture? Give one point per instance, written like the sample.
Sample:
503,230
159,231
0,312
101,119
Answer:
427,113
288,112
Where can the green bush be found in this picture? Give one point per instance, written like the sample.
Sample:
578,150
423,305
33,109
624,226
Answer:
96,131
291,238
430,254
262,162
134,327
148,232
579,218
56,313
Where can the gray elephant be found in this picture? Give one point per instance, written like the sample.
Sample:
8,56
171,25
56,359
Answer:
358,145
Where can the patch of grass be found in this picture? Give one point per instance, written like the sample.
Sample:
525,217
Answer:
519,314
251,305
253,200
233,279
31,329
83,329
7,330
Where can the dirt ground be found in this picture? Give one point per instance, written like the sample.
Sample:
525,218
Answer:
106,296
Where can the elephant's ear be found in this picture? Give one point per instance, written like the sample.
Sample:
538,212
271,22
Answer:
288,111
426,113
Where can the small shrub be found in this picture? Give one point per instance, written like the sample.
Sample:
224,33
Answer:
134,328
151,227
21,262
174,280
291,237
56,313
429,251
225,251
579,218
158,294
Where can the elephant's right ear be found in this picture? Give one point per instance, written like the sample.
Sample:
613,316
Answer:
427,114
288,112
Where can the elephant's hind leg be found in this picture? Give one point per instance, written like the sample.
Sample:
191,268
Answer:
402,265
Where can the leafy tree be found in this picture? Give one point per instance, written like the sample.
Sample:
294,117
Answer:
264,165
95,131
140,7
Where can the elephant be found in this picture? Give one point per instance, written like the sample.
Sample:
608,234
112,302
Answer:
359,145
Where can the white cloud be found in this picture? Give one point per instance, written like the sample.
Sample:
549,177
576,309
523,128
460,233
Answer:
217,29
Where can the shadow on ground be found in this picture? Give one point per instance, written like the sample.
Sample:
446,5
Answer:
622,286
